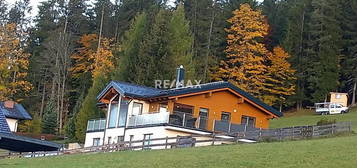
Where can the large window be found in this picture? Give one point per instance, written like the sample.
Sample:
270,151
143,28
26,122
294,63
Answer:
113,118
226,116
203,118
248,121
123,112
96,141
137,108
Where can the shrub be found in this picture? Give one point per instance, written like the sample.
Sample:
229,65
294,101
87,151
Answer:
325,121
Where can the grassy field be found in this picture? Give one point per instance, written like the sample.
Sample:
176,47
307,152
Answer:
318,153
307,117
324,153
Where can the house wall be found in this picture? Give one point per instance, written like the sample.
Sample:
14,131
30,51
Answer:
223,101
113,133
90,136
163,132
341,99
12,124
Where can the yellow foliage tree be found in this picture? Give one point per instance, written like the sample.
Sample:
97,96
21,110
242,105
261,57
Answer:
14,64
91,59
244,65
281,77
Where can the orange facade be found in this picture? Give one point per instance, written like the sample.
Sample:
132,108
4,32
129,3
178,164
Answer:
218,101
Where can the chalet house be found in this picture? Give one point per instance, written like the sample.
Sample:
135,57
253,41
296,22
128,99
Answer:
14,113
141,113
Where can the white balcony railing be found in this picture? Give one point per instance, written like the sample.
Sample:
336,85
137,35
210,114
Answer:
148,119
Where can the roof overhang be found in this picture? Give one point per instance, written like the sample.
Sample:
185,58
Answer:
12,142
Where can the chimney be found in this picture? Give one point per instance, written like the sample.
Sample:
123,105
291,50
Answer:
9,104
180,77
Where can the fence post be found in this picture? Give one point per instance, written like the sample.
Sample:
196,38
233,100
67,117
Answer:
130,139
214,138
167,139
143,144
260,133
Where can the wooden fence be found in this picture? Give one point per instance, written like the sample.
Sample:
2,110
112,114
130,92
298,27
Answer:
299,132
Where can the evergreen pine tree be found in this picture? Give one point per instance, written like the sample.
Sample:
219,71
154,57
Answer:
49,122
324,49
180,44
129,68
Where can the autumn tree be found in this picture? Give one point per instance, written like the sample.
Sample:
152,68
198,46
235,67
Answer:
245,54
88,59
280,81
14,63
101,65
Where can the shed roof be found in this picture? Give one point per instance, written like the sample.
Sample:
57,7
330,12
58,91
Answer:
18,112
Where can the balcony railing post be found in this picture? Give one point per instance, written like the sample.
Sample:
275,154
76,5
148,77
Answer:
183,120
199,121
229,127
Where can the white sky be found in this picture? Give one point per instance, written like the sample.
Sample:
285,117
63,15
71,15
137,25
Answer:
35,3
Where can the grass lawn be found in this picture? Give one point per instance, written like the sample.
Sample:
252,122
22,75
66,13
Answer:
318,153
307,117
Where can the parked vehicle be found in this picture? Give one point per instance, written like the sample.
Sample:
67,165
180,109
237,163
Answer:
330,108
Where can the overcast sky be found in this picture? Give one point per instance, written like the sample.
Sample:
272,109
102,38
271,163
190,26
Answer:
35,3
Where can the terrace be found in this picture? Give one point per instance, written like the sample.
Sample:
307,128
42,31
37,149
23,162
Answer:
176,118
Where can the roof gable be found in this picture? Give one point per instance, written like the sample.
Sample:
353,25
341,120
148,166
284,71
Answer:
18,112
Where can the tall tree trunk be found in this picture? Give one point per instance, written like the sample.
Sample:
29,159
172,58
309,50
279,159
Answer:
43,95
354,94
209,42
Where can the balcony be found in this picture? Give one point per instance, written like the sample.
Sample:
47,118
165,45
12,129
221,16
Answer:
96,125
176,118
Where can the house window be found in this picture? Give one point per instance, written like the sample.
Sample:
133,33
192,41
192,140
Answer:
120,139
226,116
109,140
113,118
163,108
96,141
203,116
137,108
147,140
248,121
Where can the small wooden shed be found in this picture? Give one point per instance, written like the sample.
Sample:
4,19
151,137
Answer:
341,98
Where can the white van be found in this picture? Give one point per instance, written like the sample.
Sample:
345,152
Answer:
330,108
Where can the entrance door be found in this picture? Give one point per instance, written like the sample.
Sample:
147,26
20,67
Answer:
203,118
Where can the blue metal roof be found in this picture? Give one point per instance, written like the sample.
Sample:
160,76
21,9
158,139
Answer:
12,142
132,90
18,112
4,127
137,91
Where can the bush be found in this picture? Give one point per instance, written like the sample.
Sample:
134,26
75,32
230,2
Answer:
325,121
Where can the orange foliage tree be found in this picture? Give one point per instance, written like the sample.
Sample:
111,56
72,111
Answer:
91,59
244,65
281,77
14,64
